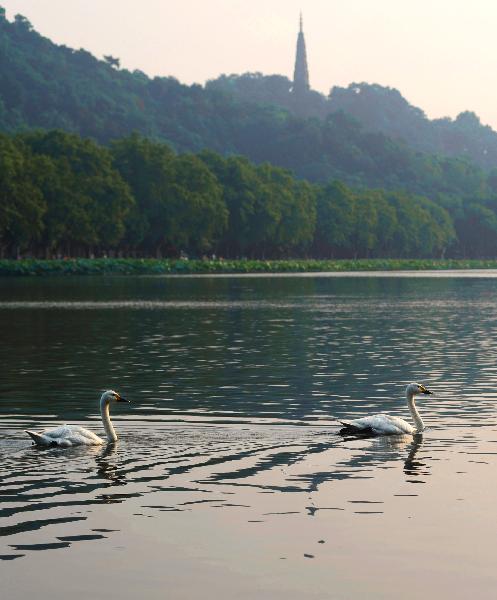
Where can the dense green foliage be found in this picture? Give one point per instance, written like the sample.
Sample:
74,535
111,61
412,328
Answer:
378,109
153,266
46,86
62,195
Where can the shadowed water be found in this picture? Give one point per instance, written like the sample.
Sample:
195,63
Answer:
229,478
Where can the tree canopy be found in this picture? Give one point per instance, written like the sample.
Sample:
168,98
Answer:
363,135
63,195
230,168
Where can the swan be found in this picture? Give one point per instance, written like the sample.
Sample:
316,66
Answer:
74,435
385,424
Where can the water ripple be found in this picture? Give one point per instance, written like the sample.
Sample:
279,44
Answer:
237,386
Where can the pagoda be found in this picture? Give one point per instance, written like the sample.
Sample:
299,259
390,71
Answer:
301,71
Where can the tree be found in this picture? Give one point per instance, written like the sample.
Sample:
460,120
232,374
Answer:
112,61
335,220
241,189
147,169
22,23
295,205
477,230
22,205
198,212
87,200
179,202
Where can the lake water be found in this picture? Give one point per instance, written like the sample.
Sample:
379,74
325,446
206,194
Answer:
229,479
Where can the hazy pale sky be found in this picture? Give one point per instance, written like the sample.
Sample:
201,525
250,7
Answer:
440,54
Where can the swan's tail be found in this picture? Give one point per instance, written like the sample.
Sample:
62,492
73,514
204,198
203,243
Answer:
351,429
37,438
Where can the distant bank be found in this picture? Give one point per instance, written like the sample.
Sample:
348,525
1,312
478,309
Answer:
149,266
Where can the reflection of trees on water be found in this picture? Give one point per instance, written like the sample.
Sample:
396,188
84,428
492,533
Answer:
281,455
61,481
312,334
57,488
360,464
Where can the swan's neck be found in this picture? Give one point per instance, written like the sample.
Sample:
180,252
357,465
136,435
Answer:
418,421
109,430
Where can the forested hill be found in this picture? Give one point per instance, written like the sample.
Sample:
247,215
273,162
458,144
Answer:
378,109
43,85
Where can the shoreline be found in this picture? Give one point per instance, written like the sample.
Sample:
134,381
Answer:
150,266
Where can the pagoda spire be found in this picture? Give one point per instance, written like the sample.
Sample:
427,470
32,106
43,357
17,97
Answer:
301,72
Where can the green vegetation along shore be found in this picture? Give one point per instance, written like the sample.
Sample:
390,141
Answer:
65,196
151,266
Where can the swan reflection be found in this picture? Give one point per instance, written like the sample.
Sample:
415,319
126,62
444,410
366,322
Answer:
412,466
402,446
107,466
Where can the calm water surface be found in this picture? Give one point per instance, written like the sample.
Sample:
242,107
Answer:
229,479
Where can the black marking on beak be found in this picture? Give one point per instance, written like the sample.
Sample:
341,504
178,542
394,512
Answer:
122,399
425,391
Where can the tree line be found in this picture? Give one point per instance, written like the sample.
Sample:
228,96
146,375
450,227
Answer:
48,86
63,195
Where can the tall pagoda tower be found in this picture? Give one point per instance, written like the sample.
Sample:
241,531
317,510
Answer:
301,72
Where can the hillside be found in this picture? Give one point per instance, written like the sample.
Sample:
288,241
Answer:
103,189
378,109
43,85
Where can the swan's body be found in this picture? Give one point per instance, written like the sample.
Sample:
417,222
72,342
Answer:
74,435
385,424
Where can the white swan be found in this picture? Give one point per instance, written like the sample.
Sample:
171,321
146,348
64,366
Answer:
385,424
74,435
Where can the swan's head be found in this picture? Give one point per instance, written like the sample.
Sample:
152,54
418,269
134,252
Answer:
112,396
416,388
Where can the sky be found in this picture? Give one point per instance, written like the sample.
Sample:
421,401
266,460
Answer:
440,54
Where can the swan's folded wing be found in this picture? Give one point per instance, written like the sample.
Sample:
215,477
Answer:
396,425
57,432
72,435
357,427
379,425
85,433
